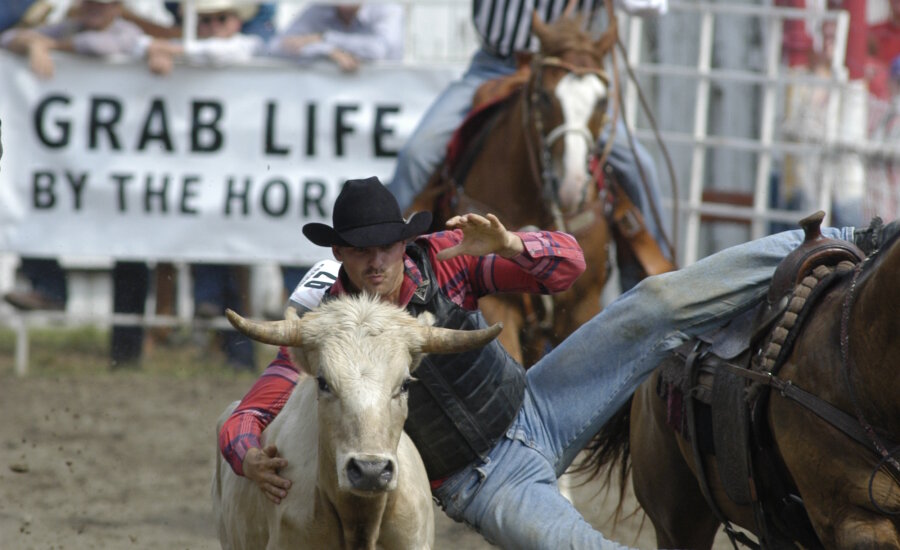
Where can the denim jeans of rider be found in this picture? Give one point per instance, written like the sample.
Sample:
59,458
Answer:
512,496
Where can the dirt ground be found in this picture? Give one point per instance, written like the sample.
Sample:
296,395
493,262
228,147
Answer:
116,460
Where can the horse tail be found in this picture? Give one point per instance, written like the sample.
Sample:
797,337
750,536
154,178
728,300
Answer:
610,450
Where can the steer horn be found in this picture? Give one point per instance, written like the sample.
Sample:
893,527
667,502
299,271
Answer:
447,340
278,333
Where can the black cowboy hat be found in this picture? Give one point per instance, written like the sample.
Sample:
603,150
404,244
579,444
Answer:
366,214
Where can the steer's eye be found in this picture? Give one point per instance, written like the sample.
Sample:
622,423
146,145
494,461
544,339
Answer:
323,385
404,387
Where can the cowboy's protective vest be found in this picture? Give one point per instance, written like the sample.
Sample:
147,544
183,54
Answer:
464,402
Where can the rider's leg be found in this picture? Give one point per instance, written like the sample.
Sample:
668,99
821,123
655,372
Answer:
425,149
512,498
579,385
625,163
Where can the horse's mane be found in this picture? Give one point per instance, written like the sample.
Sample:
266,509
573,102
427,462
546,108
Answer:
883,249
568,34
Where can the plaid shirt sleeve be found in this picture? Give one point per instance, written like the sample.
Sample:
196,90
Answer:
551,262
241,431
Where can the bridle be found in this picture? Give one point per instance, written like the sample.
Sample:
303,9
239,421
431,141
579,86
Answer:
539,154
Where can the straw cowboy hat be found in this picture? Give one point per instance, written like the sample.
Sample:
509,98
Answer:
366,214
243,10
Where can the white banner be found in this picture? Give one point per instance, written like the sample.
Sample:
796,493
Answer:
201,165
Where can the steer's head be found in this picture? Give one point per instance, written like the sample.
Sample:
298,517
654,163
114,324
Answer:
361,352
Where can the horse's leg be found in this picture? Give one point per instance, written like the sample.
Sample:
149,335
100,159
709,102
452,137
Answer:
663,483
580,305
582,302
864,529
498,309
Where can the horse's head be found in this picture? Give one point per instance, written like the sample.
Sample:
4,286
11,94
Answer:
566,104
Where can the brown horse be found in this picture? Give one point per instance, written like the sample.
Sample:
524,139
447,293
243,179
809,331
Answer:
526,158
826,424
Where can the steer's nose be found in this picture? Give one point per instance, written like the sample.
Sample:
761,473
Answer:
370,475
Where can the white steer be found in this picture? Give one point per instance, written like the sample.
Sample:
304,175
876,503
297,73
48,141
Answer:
358,481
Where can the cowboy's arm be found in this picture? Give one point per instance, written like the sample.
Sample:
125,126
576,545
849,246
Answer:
482,235
547,262
239,439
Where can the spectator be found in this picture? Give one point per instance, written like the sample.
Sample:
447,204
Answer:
48,286
505,28
884,38
806,121
217,287
883,45
48,280
95,28
290,277
154,18
347,34
260,21
23,13
894,84
883,169
220,40
131,281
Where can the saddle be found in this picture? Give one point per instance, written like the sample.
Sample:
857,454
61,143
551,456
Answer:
722,410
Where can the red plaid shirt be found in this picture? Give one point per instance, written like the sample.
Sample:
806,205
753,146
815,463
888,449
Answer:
551,263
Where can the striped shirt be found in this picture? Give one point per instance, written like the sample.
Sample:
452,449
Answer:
550,263
505,25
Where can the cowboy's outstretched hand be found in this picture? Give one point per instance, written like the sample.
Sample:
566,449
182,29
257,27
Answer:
482,235
262,466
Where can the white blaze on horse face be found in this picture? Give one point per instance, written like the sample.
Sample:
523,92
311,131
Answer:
579,97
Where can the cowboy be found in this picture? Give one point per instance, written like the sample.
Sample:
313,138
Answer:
347,34
494,438
504,29
220,40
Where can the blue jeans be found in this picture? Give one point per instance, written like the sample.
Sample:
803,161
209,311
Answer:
217,284
426,148
512,497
